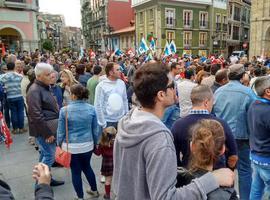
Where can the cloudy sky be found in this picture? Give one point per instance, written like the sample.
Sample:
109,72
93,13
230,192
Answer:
69,8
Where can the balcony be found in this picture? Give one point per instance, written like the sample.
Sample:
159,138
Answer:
170,22
187,44
188,24
203,25
203,44
21,4
236,36
218,27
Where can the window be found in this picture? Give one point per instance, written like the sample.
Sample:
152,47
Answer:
218,22
203,19
141,17
237,12
187,38
170,17
236,33
225,19
170,35
127,42
244,15
188,18
151,14
203,39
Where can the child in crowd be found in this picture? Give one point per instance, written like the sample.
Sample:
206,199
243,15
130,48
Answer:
207,144
105,148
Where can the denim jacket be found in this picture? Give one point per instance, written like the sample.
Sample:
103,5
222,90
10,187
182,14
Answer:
82,123
231,103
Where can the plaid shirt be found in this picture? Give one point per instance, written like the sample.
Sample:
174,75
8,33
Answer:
199,112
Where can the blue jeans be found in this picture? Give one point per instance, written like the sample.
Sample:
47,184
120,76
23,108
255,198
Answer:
47,151
16,106
260,188
171,114
81,163
244,169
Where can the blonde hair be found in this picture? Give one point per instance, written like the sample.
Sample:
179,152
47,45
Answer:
108,136
208,142
71,78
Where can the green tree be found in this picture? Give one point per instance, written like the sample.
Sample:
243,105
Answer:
47,45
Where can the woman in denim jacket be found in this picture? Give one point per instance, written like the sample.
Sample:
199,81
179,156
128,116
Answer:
83,133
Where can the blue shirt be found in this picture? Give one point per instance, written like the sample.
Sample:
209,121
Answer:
82,123
12,83
231,104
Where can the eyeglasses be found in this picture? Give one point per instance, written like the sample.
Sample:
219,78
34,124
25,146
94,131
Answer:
171,86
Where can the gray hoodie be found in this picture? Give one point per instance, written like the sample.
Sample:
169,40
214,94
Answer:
145,162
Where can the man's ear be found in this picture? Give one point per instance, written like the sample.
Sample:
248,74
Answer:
223,150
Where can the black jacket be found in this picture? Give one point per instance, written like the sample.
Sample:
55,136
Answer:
42,192
43,111
184,177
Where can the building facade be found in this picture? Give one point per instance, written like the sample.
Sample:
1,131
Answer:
100,18
72,38
198,27
239,25
18,24
123,39
260,28
51,27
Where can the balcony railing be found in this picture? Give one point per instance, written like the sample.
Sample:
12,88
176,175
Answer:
203,44
15,3
236,36
188,24
187,43
203,24
218,26
170,22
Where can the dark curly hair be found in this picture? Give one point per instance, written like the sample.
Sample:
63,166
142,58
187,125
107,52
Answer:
148,81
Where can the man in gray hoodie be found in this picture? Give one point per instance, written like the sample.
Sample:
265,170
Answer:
144,154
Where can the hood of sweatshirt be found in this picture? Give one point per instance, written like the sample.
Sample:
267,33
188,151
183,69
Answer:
137,126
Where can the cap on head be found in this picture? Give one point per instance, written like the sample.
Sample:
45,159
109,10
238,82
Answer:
237,69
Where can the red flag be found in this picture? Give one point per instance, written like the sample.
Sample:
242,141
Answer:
5,131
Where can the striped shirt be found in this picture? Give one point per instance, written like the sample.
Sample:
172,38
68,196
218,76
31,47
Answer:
12,84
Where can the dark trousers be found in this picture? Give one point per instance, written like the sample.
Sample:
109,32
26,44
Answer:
81,163
16,106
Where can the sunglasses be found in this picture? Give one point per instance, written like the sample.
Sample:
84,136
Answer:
171,86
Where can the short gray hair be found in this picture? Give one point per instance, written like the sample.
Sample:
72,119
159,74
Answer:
42,67
261,84
200,93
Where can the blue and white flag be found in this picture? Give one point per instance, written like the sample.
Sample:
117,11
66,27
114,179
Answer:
173,47
143,47
81,53
153,45
148,58
167,50
118,52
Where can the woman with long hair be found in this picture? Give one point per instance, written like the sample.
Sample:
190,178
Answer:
207,144
83,134
67,80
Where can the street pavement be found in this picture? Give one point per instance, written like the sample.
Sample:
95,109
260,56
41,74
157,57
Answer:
16,165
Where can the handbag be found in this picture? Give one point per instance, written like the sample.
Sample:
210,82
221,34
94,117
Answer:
63,157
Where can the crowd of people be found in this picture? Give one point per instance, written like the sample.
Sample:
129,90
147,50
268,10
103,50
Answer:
167,128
